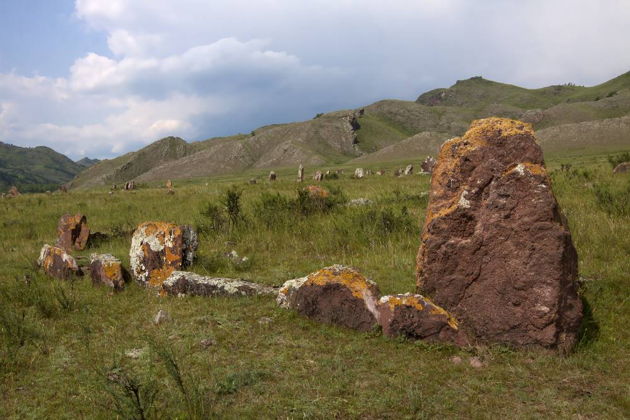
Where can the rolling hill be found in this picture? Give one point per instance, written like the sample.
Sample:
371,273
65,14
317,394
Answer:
566,117
34,168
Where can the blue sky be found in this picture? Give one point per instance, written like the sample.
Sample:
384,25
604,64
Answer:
102,77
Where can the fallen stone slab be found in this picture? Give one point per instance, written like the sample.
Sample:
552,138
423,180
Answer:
496,251
56,262
158,249
416,317
183,283
72,232
107,270
622,168
334,295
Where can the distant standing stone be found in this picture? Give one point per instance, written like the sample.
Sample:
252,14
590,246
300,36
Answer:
428,164
13,192
72,232
409,170
169,184
622,168
272,176
252,181
107,270
359,173
300,176
318,176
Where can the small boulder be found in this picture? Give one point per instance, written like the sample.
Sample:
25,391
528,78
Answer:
315,191
360,202
334,295
622,168
107,270
408,170
414,316
252,181
73,232
272,176
359,173
13,192
182,283
319,176
57,263
158,249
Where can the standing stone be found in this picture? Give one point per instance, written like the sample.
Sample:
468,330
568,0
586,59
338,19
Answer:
107,270
380,172
272,176
622,168
72,232
252,181
318,176
158,249
57,263
496,251
428,165
359,173
334,295
169,184
300,176
13,192
409,170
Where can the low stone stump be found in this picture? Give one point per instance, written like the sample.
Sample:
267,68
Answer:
182,283
334,295
107,270
72,232
158,249
56,262
416,317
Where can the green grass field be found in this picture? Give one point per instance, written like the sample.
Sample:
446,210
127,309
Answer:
65,346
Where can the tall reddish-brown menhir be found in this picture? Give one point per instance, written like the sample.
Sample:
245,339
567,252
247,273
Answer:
72,232
496,251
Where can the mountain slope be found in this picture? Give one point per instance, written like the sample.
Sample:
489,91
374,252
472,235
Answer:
34,168
388,130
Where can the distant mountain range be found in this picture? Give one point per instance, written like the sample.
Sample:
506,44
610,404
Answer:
36,168
566,118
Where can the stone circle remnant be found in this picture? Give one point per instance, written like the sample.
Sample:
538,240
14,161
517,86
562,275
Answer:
56,262
158,249
495,250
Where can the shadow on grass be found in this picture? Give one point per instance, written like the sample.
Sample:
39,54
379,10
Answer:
589,330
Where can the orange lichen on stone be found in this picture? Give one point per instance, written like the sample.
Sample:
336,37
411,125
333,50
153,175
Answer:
502,128
420,303
315,191
532,168
348,277
157,276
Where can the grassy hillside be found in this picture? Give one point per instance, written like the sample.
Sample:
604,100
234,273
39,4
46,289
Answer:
387,129
67,348
34,169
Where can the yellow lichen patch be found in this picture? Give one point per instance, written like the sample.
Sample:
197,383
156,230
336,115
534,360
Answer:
496,127
532,168
407,300
352,279
158,275
153,228
112,270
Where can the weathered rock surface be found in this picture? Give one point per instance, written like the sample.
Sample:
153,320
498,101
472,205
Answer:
182,283
408,170
319,176
13,192
334,295
107,270
300,176
72,232
496,251
622,168
57,263
428,164
272,176
158,249
414,316
359,173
